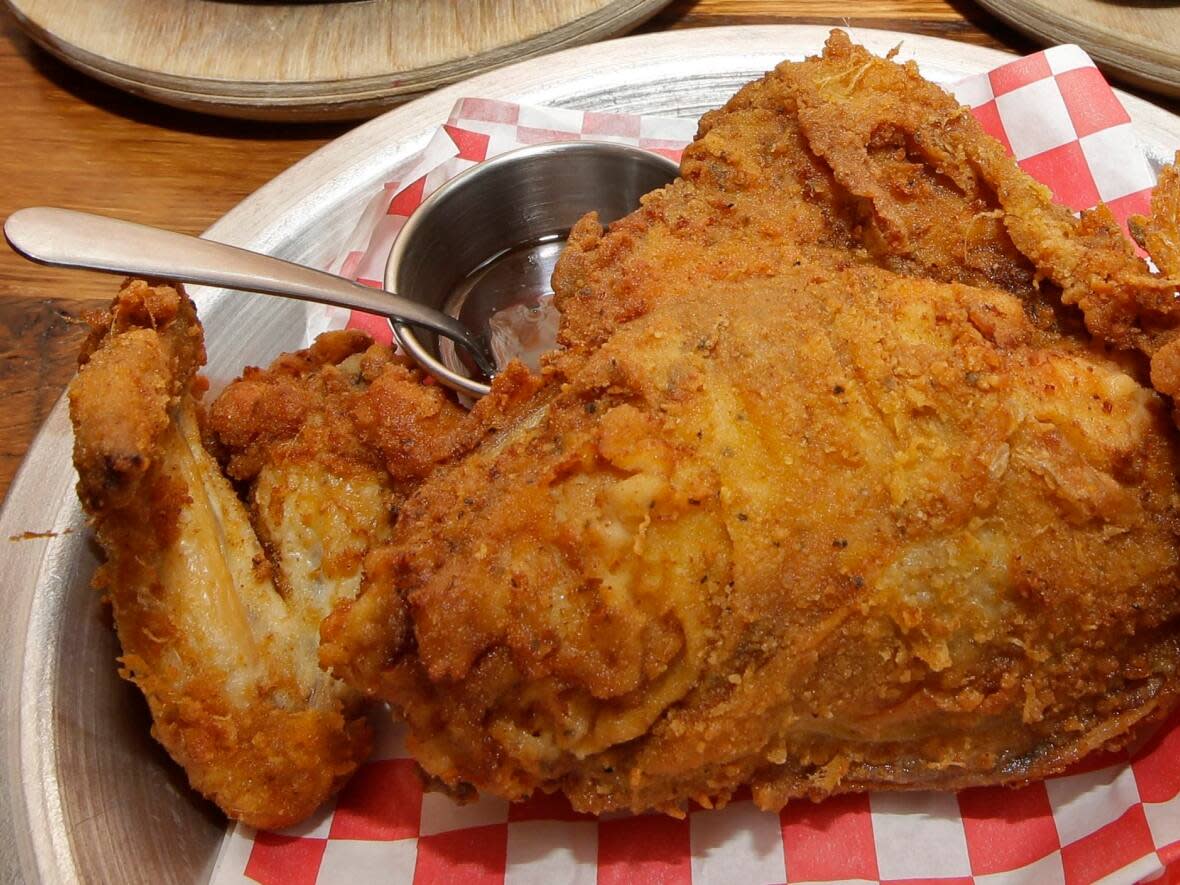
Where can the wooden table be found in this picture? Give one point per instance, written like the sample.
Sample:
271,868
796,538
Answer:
68,141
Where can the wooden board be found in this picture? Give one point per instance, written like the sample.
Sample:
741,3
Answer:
1137,41
309,61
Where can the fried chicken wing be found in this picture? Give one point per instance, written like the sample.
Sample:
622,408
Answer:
218,600
848,476
227,662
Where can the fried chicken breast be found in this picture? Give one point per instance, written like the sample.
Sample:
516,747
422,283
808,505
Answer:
931,549
849,476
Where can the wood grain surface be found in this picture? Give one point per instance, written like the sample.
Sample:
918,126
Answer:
1141,41
309,60
66,140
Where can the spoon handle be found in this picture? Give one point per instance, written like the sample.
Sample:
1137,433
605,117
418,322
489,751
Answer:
66,238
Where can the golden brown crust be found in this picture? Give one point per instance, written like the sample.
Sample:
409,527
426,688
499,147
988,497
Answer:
838,159
130,375
829,489
1159,234
205,636
344,401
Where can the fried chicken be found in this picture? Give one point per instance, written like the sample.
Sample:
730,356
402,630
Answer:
854,471
849,476
226,661
217,605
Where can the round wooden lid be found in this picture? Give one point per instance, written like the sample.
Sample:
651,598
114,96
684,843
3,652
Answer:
309,61
1138,42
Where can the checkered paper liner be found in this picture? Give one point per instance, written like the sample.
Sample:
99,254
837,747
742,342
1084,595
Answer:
1114,818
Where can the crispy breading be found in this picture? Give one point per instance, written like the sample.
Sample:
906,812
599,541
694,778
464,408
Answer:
886,561
830,488
1159,234
226,664
345,402
327,443
854,471
834,159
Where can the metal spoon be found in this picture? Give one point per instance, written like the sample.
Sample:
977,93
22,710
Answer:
66,238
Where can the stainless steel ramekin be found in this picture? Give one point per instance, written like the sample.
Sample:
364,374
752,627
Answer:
516,208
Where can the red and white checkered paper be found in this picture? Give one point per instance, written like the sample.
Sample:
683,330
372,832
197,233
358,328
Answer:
1115,818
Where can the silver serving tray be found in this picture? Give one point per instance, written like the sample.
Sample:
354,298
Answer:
85,794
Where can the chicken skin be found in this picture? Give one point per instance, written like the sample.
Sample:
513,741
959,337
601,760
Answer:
221,656
218,601
856,469
849,476
884,535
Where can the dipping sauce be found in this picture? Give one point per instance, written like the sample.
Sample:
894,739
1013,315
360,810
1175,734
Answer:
509,296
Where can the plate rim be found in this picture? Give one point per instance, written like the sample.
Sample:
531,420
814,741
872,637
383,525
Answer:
33,841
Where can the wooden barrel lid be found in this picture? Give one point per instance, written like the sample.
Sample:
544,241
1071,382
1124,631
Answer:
309,61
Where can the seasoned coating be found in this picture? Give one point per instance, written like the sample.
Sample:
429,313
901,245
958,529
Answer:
854,471
226,662
931,549
844,159
847,159
343,402
849,476
326,442
1159,234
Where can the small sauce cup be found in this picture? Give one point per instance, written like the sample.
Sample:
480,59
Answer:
482,247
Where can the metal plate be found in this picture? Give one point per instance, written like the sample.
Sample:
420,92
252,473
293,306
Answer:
85,794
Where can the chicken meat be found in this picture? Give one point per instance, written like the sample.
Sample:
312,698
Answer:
218,596
849,475
855,468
